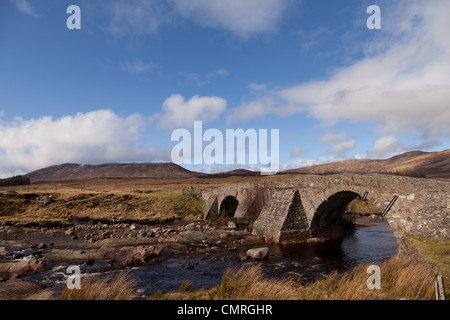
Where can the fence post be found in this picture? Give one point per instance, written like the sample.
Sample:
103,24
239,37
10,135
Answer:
439,286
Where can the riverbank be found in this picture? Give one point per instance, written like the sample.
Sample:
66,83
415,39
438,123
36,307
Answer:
410,275
34,259
402,278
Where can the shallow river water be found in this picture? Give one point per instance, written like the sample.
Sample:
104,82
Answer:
309,261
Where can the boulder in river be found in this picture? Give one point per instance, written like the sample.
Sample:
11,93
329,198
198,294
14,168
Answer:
27,267
143,255
231,225
258,253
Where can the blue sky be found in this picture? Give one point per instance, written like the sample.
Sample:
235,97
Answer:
116,89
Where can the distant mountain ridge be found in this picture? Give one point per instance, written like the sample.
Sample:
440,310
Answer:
414,163
71,171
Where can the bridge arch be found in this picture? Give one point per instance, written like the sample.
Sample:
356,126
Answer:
329,220
229,206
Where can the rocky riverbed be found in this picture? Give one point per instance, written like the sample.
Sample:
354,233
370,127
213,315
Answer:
33,261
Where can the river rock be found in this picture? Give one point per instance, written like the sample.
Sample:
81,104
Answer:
3,252
70,232
251,240
121,242
190,226
178,247
192,237
142,256
258,253
317,260
142,233
231,225
77,255
48,200
27,267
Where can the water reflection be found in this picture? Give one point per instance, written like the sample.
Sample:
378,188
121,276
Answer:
368,244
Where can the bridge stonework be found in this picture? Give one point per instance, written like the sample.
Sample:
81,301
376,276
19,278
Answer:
295,206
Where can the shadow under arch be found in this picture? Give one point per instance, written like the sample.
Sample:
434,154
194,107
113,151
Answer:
330,220
229,206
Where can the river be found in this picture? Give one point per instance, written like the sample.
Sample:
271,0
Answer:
371,242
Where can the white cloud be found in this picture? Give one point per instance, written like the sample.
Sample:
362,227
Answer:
287,136
136,66
384,146
25,7
260,108
257,87
177,112
253,109
342,148
201,80
243,18
333,138
218,73
92,137
299,163
403,82
135,17
297,152
340,144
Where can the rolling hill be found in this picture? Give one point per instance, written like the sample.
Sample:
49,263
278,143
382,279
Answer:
415,163
70,171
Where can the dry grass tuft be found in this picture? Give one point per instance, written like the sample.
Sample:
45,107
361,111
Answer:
121,287
244,283
400,279
249,283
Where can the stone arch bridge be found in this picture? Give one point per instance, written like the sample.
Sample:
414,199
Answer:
303,207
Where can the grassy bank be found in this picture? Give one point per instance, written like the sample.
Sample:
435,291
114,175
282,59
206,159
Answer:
435,252
156,207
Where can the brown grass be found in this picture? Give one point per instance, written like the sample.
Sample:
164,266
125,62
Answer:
435,252
157,207
400,279
362,207
121,287
249,283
